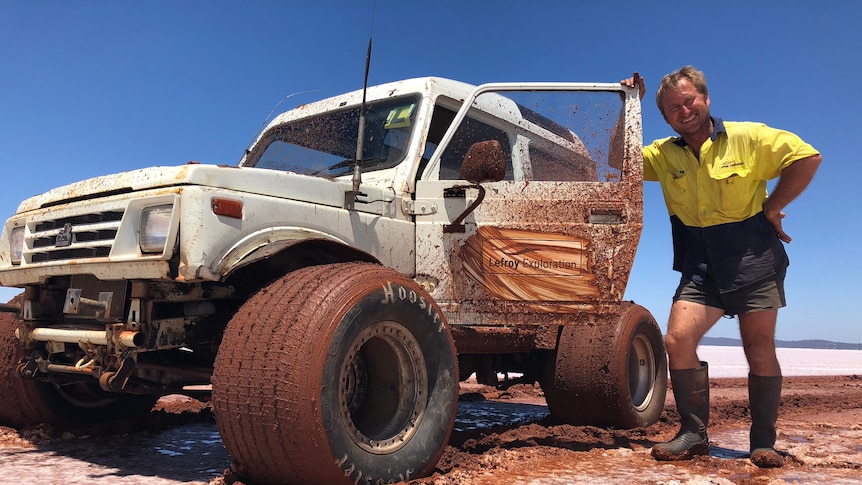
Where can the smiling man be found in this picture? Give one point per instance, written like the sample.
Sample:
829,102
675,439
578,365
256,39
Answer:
727,244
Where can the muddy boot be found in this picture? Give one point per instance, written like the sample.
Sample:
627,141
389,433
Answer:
691,391
764,396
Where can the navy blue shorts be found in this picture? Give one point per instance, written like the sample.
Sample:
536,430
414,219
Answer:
766,294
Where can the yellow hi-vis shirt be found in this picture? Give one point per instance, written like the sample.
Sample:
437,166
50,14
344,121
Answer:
716,203
728,183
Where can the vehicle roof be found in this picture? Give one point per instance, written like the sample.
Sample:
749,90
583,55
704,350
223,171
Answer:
426,86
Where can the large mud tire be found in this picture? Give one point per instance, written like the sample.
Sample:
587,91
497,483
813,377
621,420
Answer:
15,408
608,375
28,402
342,373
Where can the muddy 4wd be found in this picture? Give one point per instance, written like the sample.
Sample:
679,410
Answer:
329,303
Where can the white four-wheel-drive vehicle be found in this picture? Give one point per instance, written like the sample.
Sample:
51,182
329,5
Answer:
330,291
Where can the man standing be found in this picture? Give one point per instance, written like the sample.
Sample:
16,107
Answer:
727,243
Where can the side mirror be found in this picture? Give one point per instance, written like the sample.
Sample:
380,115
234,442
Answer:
484,162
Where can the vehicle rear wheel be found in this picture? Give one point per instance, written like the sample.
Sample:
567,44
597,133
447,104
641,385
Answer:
27,402
608,374
342,373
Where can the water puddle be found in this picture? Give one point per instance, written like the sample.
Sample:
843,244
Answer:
191,453
487,414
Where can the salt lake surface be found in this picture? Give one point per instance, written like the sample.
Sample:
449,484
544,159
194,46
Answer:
730,361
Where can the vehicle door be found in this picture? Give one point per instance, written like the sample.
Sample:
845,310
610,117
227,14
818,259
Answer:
558,233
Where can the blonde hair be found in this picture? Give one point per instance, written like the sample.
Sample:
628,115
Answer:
670,82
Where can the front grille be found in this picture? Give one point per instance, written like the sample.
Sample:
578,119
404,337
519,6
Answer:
79,220
92,236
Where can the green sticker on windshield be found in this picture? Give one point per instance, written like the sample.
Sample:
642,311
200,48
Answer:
399,117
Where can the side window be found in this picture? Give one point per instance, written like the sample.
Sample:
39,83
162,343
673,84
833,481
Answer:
574,167
547,135
572,136
470,132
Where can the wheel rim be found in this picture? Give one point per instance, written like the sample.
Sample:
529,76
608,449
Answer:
642,371
383,387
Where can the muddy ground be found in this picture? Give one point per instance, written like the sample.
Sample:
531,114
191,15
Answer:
500,437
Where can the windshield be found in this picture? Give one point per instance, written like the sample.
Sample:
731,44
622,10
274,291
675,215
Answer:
325,145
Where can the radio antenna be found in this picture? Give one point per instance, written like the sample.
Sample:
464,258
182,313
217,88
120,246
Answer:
360,142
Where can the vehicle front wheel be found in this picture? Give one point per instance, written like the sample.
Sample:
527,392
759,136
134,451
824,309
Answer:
342,373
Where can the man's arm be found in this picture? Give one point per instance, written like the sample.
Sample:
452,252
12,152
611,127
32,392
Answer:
791,183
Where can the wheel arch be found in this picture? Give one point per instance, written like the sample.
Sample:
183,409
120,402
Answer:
264,244
266,259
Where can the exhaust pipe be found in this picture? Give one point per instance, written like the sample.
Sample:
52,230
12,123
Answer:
124,338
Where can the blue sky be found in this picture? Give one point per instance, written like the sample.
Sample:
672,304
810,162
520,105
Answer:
89,88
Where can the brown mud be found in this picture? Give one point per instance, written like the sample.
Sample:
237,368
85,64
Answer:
506,436
818,431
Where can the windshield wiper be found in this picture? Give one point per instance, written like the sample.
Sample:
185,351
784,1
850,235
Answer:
368,162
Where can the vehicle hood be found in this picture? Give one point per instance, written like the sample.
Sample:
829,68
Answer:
242,179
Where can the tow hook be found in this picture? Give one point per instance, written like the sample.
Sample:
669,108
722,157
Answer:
116,381
28,368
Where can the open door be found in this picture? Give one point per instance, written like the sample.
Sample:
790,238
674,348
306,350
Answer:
558,226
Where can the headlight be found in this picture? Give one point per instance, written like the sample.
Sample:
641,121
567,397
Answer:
154,227
16,241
